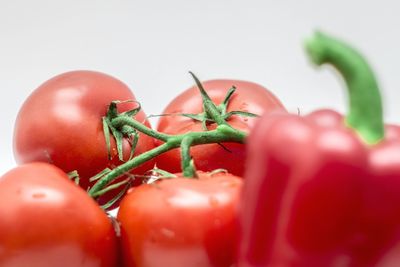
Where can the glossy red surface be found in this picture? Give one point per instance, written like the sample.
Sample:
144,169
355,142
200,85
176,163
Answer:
181,222
47,220
316,195
61,123
249,97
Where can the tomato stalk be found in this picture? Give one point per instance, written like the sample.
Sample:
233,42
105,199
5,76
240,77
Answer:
223,133
187,161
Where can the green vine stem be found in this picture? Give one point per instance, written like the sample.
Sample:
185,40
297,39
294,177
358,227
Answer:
187,167
223,133
365,115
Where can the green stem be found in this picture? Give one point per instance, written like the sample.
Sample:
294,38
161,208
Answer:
111,187
121,121
125,168
209,107
224,105
223,133
187,167
365,115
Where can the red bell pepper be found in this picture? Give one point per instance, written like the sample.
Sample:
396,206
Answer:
323,190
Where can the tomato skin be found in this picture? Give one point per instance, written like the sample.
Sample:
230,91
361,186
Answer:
60,123
47,221
181,222
249,97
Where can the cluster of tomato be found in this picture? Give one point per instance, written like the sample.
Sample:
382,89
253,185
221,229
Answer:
47,220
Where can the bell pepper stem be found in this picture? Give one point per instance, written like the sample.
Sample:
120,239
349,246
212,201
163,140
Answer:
365,115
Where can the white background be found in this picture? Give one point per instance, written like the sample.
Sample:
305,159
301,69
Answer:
151,45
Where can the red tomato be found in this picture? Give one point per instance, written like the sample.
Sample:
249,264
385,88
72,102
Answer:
46,221
181,222
249,97
61,123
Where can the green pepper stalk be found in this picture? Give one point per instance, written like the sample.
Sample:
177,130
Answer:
365,114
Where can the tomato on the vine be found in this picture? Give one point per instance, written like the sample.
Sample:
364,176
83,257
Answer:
248,97
61,123
47,220
181,222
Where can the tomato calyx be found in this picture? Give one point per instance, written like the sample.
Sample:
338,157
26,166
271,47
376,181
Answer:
127,132
215,113
74,176
123,124
218,113
212,113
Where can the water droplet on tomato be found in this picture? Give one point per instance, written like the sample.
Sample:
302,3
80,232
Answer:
214,202
167,232
38,195
229,184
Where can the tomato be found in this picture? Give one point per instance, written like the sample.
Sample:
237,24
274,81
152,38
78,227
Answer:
181,222
61,123
249,97
47,220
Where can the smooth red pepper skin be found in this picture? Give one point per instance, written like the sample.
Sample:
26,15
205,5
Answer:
317,196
